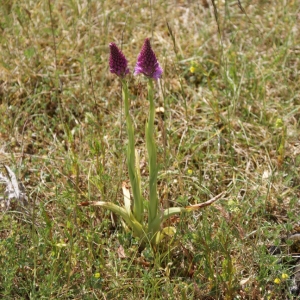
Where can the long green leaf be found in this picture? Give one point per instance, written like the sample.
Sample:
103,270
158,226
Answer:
173,211
137,228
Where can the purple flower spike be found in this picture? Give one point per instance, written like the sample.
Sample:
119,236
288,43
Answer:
117,61
147,63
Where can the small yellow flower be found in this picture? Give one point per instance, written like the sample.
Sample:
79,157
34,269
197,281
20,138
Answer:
192,69
284,276
277,280
190,172
97,275
279,123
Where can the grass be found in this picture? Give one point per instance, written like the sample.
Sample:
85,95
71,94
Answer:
231,125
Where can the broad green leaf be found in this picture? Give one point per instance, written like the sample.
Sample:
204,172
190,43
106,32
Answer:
167,231
173,211
136,227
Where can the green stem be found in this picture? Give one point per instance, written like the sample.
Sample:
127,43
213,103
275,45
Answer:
138,206
151,148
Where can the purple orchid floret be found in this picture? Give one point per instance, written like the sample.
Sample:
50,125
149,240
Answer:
147,63
117,61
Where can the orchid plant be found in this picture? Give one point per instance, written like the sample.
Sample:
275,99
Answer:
133,215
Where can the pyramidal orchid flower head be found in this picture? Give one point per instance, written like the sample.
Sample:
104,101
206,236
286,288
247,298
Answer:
118,63
147,62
